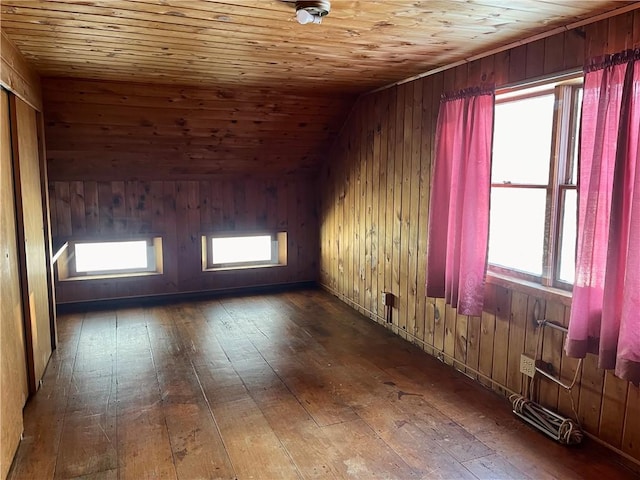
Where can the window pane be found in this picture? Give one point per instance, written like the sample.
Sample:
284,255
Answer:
522,140
516,233
241,249
568,239
109,256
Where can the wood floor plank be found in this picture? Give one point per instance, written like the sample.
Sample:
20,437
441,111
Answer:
88,446
44,414
494,467
310,449
367,455
198,338
144,449
196,443
418,447
197,447
373,400
91,395
425,438
254,449
229,332
251,444
221,385
317,397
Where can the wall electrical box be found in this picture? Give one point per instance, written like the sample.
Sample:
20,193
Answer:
527,365
387,299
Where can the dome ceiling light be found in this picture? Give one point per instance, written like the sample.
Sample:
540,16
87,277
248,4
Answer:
312,11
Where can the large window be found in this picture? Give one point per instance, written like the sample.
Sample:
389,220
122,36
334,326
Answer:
533,183
110,258
229,251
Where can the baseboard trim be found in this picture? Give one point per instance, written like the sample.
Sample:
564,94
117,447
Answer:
168,298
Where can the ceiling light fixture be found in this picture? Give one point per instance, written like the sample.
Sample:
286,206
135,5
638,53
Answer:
312,11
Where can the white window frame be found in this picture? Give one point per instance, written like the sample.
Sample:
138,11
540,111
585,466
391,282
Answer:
67,269
564,141
278,251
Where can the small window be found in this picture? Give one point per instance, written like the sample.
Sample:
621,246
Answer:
533,183
108,256
112,258
229,251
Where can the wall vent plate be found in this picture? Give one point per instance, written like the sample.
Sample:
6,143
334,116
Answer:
527,365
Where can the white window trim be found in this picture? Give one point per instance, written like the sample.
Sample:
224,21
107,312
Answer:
278,251
551,262
66,266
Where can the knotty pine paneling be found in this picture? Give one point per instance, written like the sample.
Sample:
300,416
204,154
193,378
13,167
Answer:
180,211
375,239
17,75
97,130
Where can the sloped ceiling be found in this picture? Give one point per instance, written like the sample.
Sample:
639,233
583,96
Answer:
287,79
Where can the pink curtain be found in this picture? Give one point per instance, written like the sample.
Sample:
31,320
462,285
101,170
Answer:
459,208
605,312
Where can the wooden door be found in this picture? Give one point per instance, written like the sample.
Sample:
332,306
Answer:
13,368
31,236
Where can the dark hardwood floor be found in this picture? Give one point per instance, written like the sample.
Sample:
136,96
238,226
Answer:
293,385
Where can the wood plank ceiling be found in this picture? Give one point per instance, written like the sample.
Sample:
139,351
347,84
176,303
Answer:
285,86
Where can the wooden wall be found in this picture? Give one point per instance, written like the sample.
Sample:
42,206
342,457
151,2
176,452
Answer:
374,214
99,129
181,211
17,76
126,159
26,300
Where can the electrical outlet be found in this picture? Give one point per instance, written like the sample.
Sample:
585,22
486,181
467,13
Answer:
387,299
527,365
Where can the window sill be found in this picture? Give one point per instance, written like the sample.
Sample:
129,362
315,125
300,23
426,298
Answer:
110,276
243,267
530,288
